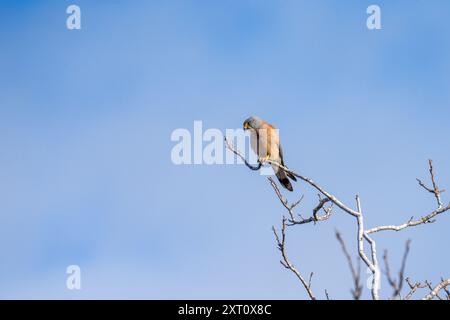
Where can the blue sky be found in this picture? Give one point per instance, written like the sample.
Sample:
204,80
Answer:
86,118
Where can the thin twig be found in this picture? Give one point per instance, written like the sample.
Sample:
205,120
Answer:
290,208
426,219
435,189
435,291
413,288
281,242
356,275
447,291
397,285
236,152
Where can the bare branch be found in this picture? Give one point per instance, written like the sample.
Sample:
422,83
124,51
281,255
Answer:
281,242
328,210
413,288
236,152
290,208
363,234
397,285
372,265
430,287
327,195
446,290
435,190
391,281
434,292
356,275
424,220
282,199
310,279
285,169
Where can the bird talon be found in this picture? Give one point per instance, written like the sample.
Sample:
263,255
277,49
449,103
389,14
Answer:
264,159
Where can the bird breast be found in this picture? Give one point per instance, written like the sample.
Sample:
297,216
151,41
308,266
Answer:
262,142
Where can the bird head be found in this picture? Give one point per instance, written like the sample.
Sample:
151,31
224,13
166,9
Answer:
252,123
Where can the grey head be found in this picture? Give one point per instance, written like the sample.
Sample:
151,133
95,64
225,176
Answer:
253,123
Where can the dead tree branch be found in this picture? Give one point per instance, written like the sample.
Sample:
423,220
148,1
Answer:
281,242
237,153
299,219
435,291
396,285
424,220
363,234
435,189
413,288
356,274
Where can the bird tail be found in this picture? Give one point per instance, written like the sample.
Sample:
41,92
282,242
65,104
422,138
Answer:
290,175
284,180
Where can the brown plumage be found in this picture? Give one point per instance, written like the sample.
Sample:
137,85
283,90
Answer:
265,142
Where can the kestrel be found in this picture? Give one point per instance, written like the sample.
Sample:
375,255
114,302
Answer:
265,142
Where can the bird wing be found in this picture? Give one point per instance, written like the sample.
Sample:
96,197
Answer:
272,140
281,155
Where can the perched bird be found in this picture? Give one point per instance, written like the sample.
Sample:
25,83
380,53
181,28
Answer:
265,142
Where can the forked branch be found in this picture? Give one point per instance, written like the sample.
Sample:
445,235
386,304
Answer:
371,260
281,242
